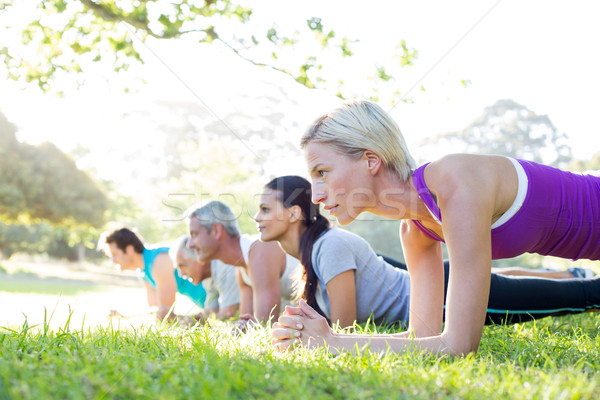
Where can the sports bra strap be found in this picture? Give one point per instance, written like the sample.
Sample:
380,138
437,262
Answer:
425,194
427,232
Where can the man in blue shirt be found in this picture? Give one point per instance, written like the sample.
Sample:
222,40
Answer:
155,268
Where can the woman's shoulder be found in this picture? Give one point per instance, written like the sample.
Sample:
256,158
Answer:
455,170
466,162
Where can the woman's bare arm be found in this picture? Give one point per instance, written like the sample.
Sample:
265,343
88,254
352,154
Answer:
425,266
266,261
467,201
341,291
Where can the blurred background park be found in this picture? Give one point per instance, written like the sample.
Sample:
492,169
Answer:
127,112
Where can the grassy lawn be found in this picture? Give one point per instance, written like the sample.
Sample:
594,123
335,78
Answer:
48,286
43,279
552,359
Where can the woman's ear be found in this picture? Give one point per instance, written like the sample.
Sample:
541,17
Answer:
374,162
295,213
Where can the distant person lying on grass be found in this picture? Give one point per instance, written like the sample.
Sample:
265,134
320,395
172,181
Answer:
345,281
548,273
155,268
263,269
219,280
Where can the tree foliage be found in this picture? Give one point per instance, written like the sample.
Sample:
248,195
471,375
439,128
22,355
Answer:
229,158
510,129
382,234
212,168
69,36
586,165
45,238
42,183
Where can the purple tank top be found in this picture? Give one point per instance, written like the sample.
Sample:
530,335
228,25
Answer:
560,215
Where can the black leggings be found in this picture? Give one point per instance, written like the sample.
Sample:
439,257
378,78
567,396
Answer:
520,299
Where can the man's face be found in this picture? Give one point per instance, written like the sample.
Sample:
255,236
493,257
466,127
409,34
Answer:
202,241
121,258
193,270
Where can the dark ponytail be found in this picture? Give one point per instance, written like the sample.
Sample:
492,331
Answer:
295,191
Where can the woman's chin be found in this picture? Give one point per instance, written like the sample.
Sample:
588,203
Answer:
264,237
344,219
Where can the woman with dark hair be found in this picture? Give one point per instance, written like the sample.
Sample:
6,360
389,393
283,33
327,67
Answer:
345,281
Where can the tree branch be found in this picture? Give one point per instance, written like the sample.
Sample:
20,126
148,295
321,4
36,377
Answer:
102,12
259,64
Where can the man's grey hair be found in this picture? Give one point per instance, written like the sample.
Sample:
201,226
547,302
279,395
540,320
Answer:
180,244
216,212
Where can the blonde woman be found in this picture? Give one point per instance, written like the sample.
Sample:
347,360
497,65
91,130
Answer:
482,207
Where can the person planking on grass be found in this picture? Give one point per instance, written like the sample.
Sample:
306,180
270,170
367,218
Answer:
155,268
482,207
218,279
263,270
345,281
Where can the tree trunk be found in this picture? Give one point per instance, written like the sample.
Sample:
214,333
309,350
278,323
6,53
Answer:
80,252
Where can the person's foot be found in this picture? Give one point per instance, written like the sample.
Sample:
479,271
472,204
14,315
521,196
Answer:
115,314
582,273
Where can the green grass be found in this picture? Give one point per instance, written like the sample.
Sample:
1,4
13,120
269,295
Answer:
49,288
552,359
24,281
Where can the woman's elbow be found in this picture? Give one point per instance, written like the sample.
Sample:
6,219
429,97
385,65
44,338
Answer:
343,323
458,346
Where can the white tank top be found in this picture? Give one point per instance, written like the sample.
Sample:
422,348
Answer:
285,281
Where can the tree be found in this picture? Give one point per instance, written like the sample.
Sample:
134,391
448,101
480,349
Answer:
589,165
43,184
381,233
510,129
199,157
43,238
65,37
214,168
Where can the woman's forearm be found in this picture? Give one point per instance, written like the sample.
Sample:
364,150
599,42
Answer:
395,343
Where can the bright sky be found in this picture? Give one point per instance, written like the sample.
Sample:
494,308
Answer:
542,54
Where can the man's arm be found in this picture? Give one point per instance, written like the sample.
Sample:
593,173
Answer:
228,312
150,294
245,294
166,286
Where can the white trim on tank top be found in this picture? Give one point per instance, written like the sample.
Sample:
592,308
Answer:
520,197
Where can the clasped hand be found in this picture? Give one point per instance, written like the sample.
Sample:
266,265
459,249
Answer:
301,325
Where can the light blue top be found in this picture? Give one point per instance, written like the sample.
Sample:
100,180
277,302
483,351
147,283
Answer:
382,291
195,292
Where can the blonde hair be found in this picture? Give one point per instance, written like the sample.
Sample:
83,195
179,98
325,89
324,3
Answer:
180,245
360,125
